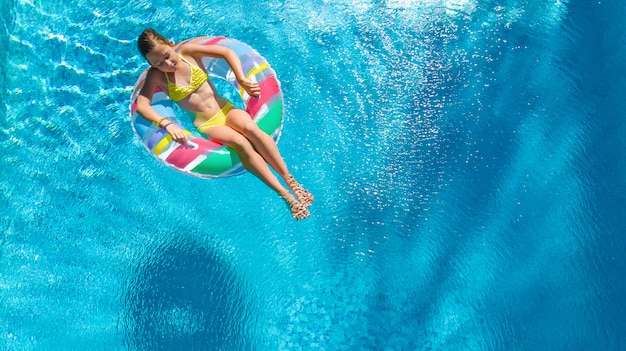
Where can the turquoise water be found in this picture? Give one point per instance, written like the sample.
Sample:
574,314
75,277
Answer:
467,159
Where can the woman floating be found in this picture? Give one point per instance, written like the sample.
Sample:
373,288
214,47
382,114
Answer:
183,77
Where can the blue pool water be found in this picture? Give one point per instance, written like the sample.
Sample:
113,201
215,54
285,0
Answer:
467,158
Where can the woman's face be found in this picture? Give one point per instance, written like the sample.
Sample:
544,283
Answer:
163,57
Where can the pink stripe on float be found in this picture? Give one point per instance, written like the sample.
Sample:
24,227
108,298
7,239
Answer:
214,40
269,88
184,155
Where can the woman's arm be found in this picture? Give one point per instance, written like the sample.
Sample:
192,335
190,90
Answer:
231,58
149,113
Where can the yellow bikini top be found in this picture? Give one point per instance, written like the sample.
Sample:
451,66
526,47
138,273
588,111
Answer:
179,92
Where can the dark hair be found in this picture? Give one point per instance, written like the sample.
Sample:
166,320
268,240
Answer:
148,39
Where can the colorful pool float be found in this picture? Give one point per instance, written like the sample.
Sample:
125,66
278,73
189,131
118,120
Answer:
202,157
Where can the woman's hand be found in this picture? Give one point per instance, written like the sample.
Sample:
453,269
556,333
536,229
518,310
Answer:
178,135
252,88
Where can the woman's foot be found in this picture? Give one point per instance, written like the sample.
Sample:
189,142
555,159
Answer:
298,211
305,197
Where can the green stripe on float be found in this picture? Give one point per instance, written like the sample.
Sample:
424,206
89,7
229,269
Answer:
217,163
272,119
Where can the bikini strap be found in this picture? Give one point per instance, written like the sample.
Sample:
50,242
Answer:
182,58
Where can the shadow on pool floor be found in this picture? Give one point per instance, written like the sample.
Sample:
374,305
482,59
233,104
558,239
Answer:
184,296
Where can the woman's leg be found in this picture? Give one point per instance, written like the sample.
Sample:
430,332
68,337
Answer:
255,163
240,121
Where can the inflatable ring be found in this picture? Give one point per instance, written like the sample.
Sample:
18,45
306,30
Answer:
202,157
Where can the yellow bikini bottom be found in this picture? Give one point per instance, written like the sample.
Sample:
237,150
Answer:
219,119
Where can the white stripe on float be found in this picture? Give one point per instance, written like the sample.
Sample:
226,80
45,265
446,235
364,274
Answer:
261,113
168,151
196,161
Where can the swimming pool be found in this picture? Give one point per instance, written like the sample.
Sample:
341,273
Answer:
467,159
